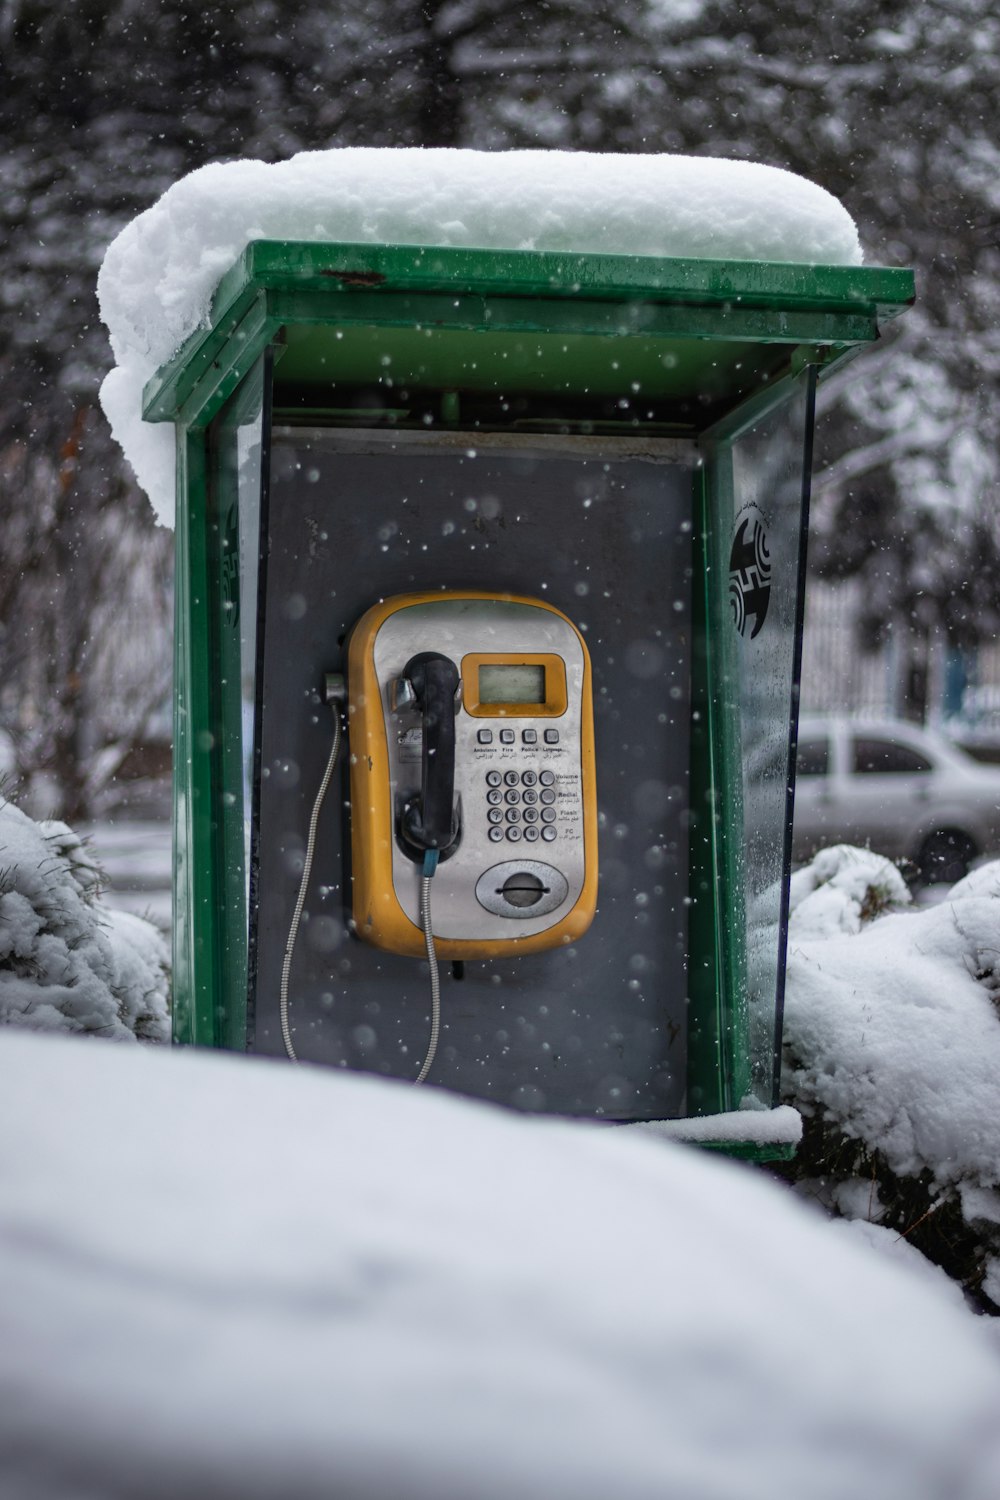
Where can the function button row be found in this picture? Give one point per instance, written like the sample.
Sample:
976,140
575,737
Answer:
514,794
515,778
528,815
514,834
509,736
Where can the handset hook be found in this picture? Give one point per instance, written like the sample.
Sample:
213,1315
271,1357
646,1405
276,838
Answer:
429,820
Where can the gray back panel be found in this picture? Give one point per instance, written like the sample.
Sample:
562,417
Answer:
598,1028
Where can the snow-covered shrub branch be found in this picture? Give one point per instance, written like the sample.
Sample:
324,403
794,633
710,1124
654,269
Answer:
892,1054
67,962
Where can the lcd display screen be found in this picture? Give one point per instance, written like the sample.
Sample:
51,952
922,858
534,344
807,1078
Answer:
504,683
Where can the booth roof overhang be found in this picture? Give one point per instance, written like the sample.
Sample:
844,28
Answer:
681,342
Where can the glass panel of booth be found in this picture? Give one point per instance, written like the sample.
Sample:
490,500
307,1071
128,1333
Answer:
757,478
237,491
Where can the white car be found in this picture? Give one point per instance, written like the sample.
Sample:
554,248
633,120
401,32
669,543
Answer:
907,792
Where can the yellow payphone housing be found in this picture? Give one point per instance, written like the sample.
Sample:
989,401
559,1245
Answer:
471,728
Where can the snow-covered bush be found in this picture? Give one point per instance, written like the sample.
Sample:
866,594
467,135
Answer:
892,1054
68,963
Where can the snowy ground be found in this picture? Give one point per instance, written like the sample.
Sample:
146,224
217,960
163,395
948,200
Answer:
226,1277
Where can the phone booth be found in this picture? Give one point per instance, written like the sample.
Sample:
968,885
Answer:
489,602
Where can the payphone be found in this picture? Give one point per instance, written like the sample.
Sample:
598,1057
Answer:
471,742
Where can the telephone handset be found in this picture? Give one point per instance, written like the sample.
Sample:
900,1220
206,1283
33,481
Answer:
470,721
430,683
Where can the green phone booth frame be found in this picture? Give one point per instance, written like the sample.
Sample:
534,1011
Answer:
716,349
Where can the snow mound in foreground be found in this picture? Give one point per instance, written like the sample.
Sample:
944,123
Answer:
67,963
892,1022
156,284
305,1283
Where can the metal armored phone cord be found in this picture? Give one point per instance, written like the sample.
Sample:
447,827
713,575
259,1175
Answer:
429,867
293,932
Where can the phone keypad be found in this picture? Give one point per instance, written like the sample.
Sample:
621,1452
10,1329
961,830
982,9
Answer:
517,804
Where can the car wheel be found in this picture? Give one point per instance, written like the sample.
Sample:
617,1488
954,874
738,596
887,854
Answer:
945,857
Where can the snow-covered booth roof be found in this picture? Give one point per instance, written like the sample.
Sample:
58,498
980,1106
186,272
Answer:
568,383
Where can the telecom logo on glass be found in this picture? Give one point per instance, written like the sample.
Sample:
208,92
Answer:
749,572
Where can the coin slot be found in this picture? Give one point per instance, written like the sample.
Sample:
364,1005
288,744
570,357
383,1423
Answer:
523,889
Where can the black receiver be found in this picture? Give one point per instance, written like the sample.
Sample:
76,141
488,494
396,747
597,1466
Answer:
429,820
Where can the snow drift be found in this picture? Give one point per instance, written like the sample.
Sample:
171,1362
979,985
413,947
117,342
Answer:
158,277
298,1282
